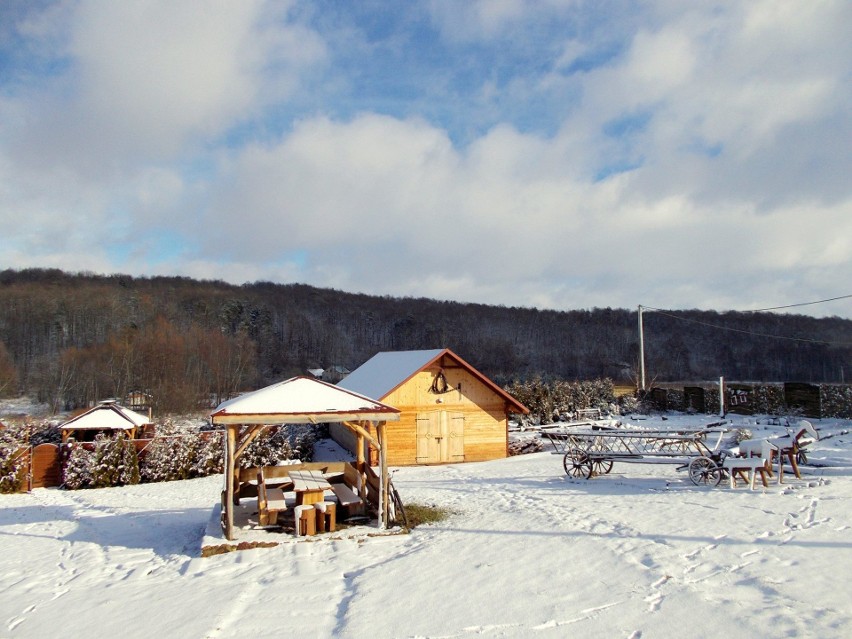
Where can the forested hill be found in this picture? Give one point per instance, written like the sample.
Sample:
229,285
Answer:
84,332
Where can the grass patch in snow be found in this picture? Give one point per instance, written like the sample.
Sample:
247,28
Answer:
419,514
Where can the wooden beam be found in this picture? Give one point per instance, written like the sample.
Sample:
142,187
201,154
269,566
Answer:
360,430
249,438
312,418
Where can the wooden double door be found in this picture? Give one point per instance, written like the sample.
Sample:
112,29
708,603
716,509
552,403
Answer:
440,437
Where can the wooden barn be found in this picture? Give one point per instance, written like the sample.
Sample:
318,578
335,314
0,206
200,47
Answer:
450,412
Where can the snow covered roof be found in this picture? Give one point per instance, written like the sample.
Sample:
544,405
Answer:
301,400
383,372
107,416
387,371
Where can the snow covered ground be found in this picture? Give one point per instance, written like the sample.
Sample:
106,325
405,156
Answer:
529,553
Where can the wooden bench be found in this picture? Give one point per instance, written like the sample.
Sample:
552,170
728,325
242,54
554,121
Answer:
348,499
270,502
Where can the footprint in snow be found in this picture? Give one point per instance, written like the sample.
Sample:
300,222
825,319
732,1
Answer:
661,581
654,601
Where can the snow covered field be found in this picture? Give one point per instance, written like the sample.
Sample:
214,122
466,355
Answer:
530,553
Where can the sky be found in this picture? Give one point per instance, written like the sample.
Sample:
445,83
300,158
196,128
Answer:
554,154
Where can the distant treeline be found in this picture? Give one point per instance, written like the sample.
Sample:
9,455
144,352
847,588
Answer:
76,338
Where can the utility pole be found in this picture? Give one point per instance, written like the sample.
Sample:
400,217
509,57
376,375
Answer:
641,351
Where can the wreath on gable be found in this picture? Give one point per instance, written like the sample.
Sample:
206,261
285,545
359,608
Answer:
439,384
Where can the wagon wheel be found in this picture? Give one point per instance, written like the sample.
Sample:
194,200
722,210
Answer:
577,464
703,471
602,466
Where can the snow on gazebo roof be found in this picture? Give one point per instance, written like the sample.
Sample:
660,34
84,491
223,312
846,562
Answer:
107,415
301,400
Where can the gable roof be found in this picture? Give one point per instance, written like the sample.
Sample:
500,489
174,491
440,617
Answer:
301,400
385,372
107,415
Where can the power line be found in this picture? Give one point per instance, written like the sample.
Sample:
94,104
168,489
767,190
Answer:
747,332
775,308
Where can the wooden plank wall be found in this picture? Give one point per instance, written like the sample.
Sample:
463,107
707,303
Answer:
485,419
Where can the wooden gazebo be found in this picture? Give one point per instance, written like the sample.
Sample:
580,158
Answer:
299,400
107,417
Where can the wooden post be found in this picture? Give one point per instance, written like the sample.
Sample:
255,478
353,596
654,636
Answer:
360,466
230,469
359,451
641,352
383,475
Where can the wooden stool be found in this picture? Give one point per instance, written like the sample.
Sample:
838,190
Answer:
326,513
305,520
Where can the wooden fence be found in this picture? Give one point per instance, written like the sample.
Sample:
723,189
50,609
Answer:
808,400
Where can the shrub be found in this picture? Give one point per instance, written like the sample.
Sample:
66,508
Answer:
169,457
276,444
77,472
115,462
12,461
210,456
182,452
769,399
550,400
44,433
836,401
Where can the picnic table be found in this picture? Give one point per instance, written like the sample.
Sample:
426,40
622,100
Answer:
309,486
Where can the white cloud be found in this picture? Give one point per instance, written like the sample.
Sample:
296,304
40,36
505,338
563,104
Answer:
704,163
148,82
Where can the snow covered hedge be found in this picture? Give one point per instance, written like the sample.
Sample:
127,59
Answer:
281,443
549,400
178,453
12,461
836,401
113,462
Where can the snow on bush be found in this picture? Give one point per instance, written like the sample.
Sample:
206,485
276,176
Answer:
550,400
12,461
115,462
180,451
836,401
280,443
77,472
210,455
112,462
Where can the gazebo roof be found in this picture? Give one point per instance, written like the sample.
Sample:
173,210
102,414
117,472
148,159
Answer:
107,415
301,400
